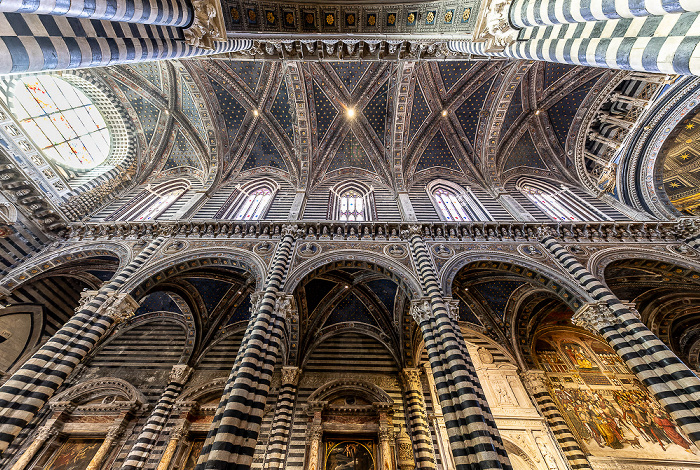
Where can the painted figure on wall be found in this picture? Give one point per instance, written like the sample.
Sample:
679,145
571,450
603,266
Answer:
610,412
193,455
74,454
349,455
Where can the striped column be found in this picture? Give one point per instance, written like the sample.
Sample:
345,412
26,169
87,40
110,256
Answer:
524,13
534,381
282,422
675,386
232,438
417,419
26,392
34,43
141,449
159,12
474,438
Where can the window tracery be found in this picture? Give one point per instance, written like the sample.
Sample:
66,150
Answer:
250,201
559,203
351,202
454,203
152,201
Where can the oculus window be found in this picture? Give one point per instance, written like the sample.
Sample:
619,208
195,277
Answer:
62,121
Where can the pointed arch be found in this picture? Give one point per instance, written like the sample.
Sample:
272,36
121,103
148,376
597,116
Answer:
250,201
560,204
352,201
152,201
456,203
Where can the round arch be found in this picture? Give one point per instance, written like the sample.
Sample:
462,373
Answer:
160,269
560,282
61,256
600,260
367,260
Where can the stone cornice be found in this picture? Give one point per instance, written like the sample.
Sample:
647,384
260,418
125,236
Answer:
575,232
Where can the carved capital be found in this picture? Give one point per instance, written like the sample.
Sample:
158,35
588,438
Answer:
180,373
421,310
452,308
207,26
493,26
86,297
415,229
535,381
180,431
255,301
290,375
594,317
292,230
45,433
315,433
119,307
115,431
283,304
411,379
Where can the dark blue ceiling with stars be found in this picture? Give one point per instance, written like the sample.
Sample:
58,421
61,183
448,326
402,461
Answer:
562,113
470,111
350,73
437,154
325,111
264,153
524,154
248,72
452,72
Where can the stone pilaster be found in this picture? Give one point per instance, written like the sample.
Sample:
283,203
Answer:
417,418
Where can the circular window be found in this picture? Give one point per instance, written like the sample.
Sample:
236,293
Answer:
62,121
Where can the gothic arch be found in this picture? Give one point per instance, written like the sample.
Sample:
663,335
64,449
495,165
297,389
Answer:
105,386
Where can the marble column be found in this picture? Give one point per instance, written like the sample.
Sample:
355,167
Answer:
438,419
535,383
236,424
38,442
113,434
474,438
282,422
417,419
314,439
176,436
28,389
671,382
143,446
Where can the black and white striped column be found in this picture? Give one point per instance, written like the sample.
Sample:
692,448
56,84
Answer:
282,422
141,449
26,392
417,419
675,386
474,438
534,381
231,441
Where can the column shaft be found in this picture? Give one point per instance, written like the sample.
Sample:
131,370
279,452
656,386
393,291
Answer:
159,416
232,438
26,392
675,386
39,440
417,419
474,438
282,422
166,13
170,449
525,13
534,382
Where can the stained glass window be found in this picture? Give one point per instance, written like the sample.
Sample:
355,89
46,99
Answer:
449,205
352,206
61,121
158,204
549,204
255,204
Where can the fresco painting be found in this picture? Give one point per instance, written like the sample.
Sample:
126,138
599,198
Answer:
349,455
609,411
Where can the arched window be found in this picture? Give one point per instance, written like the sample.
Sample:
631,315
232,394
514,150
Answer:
351,202
152,201
559,203
62,121
454,203
249,202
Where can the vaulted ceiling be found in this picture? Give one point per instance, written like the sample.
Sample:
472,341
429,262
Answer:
397,124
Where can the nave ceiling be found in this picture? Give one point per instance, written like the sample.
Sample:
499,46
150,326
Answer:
480,122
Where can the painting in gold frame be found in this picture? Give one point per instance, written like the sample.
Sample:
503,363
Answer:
349,454
74,454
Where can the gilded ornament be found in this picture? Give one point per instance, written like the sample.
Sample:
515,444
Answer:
350,19
411,18
252,15
466,15
330,19
448,17
391,19
270,17
372,20
309,18
235,16
289,18
430,18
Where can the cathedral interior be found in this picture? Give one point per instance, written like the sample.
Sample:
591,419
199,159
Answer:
261,235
